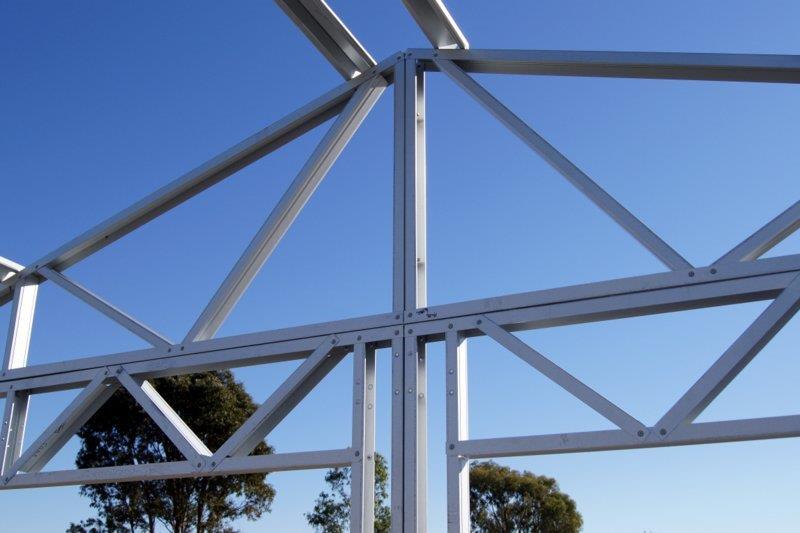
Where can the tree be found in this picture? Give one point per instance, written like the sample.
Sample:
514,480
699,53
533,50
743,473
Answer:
214,405
331,512
505,500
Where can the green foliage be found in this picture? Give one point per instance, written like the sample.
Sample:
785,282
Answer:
214,405
503,500
331,512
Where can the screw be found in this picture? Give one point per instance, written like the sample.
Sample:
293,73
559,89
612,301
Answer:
663,431
640,433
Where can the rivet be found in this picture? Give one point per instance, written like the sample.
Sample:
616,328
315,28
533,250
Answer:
662,431
397,317
397,332
640,433
396,354
358,453
436,54
480,321
410,315
183,348
119,370
713,270
450,326
410,391
410,331
369,406
691,273
452,446
369,386
199,465
333,341
213,463
421,395
358,338
451,392
396,392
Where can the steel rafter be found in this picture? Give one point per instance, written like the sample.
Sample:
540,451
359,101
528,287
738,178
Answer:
411,325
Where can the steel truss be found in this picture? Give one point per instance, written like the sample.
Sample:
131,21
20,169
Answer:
738,276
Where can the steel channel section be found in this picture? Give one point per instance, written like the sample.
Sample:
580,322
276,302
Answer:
737,277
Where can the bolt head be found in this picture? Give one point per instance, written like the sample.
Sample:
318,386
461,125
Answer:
662,431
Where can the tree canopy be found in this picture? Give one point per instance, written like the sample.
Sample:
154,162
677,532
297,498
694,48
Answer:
331,512
503,500
214,405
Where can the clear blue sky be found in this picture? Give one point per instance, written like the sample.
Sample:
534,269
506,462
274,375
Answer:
103,102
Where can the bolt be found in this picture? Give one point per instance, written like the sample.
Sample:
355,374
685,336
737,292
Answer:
396,392
333,341
410,391
397,317
358,453
358,402
691,273
199,465
183,348
410,315
358,338
480,321
369,406
396,354
452,446
369,386
451,371
640,433
450,326
213,463
410,331
169,350
421,395
451,392
119,370
662,431
713,271
397,332
436,54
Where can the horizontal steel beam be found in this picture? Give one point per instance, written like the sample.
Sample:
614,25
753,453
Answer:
329,34
279,462
594,441
607,300
654,65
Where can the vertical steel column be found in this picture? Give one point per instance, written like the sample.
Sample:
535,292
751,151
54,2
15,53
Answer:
362,486
457,429
409,424
16,356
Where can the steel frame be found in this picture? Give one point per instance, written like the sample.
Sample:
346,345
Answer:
739,276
